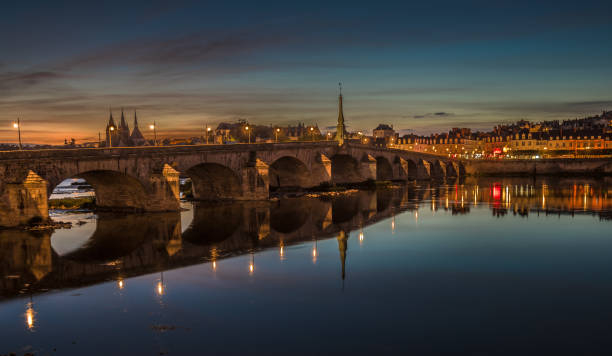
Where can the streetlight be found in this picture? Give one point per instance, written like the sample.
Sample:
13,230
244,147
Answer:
207,133
249,132
312,132
154,128
110,136
17,125
328,136
276,133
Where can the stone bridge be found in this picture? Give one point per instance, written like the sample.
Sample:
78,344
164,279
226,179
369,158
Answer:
147,178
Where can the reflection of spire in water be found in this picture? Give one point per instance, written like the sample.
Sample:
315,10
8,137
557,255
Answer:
342,246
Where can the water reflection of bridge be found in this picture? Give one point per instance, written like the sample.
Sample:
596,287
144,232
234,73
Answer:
130,245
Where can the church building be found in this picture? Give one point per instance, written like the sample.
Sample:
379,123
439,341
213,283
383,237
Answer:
119,135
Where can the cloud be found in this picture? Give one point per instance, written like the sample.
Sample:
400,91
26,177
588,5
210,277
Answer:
433,115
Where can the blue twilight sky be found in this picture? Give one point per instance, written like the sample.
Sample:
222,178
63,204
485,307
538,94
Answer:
421,66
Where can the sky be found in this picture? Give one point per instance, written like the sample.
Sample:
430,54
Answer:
422,66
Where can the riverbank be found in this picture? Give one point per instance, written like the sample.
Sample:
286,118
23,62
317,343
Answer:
533,167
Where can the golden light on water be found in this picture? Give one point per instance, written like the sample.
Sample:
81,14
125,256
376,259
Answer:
30,316
160,288
360,236
251,267
120,283
214,265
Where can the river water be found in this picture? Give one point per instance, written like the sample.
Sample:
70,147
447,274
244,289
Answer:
505,266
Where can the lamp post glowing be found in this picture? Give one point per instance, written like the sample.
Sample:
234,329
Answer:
110,136
17,125
154,128
207,133
248,132
328,136
276,133
312,132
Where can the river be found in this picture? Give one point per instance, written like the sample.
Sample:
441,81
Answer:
490,265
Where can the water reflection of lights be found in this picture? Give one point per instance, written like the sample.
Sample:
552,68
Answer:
281,251
120,283
214,254
30,316
252,264
393,224
161,289
315,252
361,236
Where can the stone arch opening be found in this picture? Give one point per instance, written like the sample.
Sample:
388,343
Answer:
345,169
289,172
71,193
112,190
384,170
213,181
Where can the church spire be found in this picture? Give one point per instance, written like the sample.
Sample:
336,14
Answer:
342,247
111,121
340,129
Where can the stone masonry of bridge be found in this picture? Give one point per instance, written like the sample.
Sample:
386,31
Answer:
147,178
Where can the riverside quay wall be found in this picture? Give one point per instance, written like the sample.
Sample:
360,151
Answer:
531,167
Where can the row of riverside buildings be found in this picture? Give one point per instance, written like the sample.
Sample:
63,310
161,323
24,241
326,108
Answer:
588,136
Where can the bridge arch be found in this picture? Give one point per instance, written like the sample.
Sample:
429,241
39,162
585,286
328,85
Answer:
289,171
214,181
384,169
114,190
345,169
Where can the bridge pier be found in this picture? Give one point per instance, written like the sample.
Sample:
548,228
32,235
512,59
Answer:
423,170
438,170
23,199
255,181
321,170
367,168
